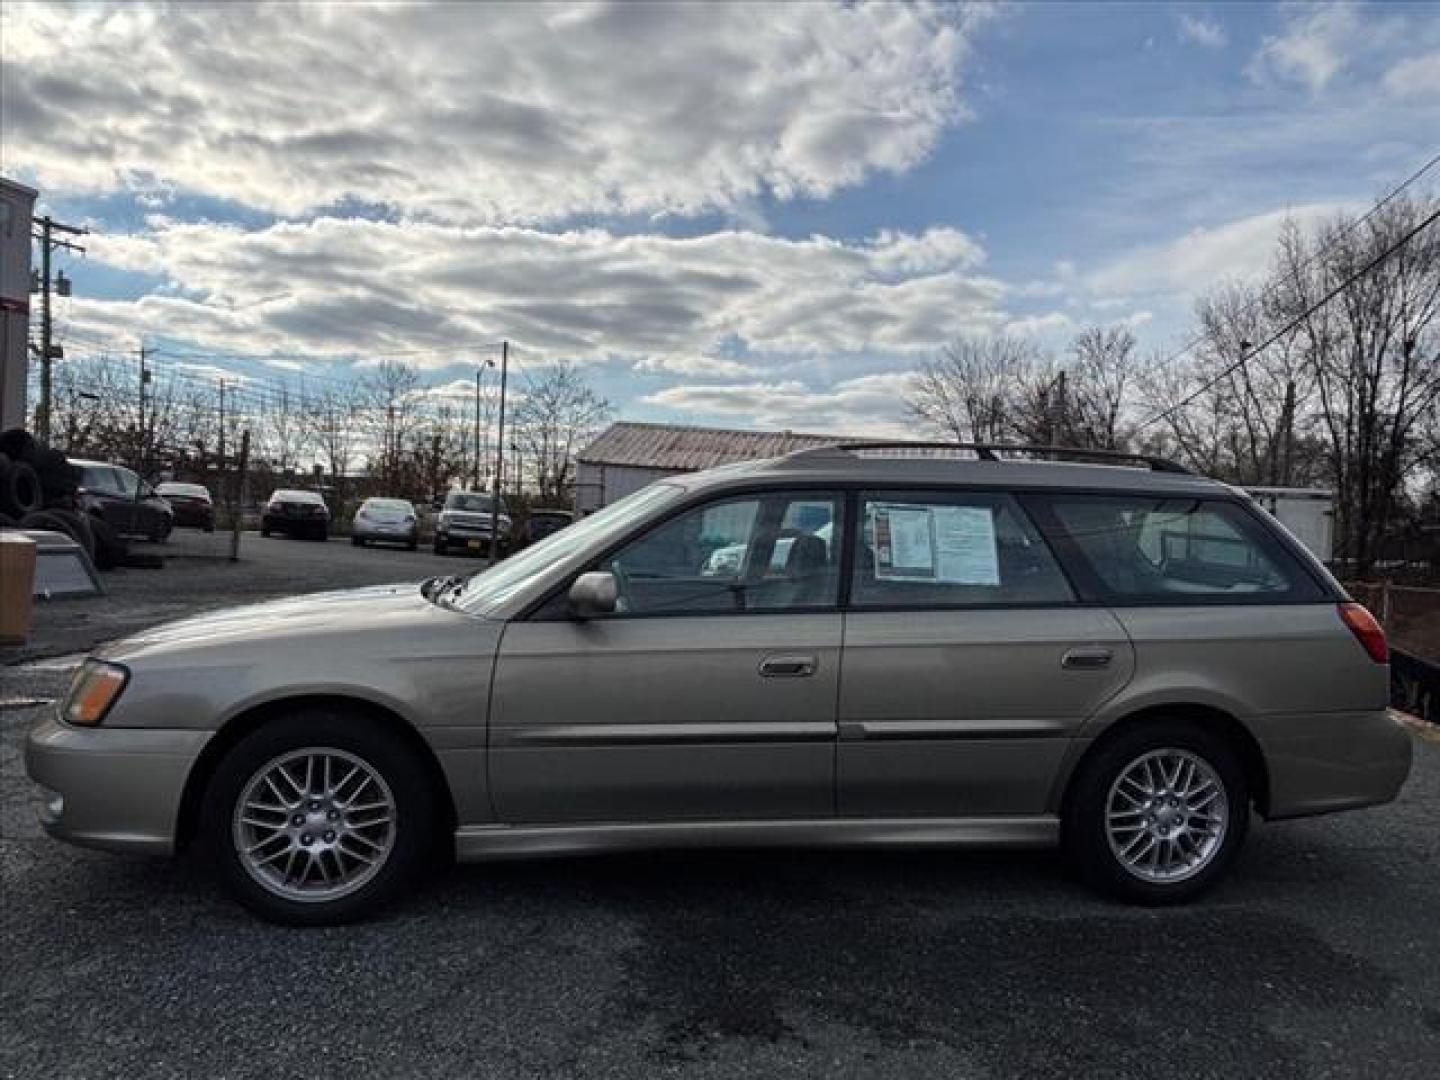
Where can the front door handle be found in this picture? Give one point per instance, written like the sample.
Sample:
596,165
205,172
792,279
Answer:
787,667
1086,659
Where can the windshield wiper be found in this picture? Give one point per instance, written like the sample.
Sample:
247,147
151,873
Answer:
431,588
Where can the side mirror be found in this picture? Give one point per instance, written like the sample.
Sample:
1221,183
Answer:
594,593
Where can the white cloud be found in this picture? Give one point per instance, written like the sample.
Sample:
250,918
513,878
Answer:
699,305
1203,257
480,113
1201,31
692,365
867,405
1312,47
1417,76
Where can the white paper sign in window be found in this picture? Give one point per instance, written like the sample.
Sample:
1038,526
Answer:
965,545
948,544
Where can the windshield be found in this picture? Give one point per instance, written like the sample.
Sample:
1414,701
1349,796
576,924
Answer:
388,504
470,500
484,590
285,495
183,489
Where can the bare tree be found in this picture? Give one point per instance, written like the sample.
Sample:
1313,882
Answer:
970,391
331,415
391,393
1373,352
285,433
558,413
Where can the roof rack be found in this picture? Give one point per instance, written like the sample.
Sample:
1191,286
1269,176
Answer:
992,452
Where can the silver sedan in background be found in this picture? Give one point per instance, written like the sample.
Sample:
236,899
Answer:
391,521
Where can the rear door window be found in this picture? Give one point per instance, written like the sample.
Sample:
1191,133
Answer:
951,549
1150,549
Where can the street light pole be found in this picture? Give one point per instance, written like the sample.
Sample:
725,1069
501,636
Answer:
499,456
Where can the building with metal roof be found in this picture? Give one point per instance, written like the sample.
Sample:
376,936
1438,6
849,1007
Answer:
628,455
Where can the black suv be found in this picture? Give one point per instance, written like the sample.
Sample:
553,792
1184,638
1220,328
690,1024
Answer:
122,500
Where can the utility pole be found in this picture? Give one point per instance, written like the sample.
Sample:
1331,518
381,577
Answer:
220,457
1287,433
499,456
1063,426
48,350
144,433
475,480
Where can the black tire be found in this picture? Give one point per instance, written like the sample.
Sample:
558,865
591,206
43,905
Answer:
58,478
20,490
439,546
320,535
161,532
69,522
264,530
385,752
111,549
412,545
355,541
1084,820
56,521
17,444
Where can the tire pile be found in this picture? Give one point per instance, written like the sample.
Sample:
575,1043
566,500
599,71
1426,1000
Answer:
37,491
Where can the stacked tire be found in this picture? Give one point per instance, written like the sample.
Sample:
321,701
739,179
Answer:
37,491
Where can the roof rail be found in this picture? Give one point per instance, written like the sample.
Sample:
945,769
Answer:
992,452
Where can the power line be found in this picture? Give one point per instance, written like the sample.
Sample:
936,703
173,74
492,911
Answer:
1297,320
1341,234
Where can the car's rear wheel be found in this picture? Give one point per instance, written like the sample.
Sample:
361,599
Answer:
1157,814
439,546
319,818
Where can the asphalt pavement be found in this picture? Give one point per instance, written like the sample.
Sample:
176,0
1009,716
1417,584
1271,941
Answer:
1320,957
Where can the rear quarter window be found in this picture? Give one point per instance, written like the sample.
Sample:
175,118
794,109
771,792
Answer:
1145,549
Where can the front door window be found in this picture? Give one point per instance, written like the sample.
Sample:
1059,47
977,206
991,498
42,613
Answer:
773,552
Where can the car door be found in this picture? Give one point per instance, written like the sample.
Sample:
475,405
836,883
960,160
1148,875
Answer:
116,491
968,665
708,694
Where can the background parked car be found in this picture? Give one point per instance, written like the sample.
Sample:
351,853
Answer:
191,502
389,520
117,496
296,513
541,522
465,522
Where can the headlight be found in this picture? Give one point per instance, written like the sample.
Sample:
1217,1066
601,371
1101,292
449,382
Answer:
96,686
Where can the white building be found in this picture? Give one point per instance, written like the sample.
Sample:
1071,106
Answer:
17,204
627,456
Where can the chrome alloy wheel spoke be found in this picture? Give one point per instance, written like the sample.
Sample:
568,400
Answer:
1166,815
314,824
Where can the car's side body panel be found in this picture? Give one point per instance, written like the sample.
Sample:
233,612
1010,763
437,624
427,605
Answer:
968,712
630,719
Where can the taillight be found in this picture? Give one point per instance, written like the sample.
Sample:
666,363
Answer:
1367,631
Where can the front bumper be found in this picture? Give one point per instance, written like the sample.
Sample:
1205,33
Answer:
202,517
1333,761
380,531
470,537
118,789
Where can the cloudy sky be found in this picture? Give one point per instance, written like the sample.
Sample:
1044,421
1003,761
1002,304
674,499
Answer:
743,215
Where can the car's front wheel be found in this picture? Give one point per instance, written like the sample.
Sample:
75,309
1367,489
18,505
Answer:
1157,814
319,817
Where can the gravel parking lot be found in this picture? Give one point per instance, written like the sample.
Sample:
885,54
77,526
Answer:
1317,959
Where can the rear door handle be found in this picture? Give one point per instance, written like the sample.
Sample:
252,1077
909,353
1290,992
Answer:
1086,659
787,667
